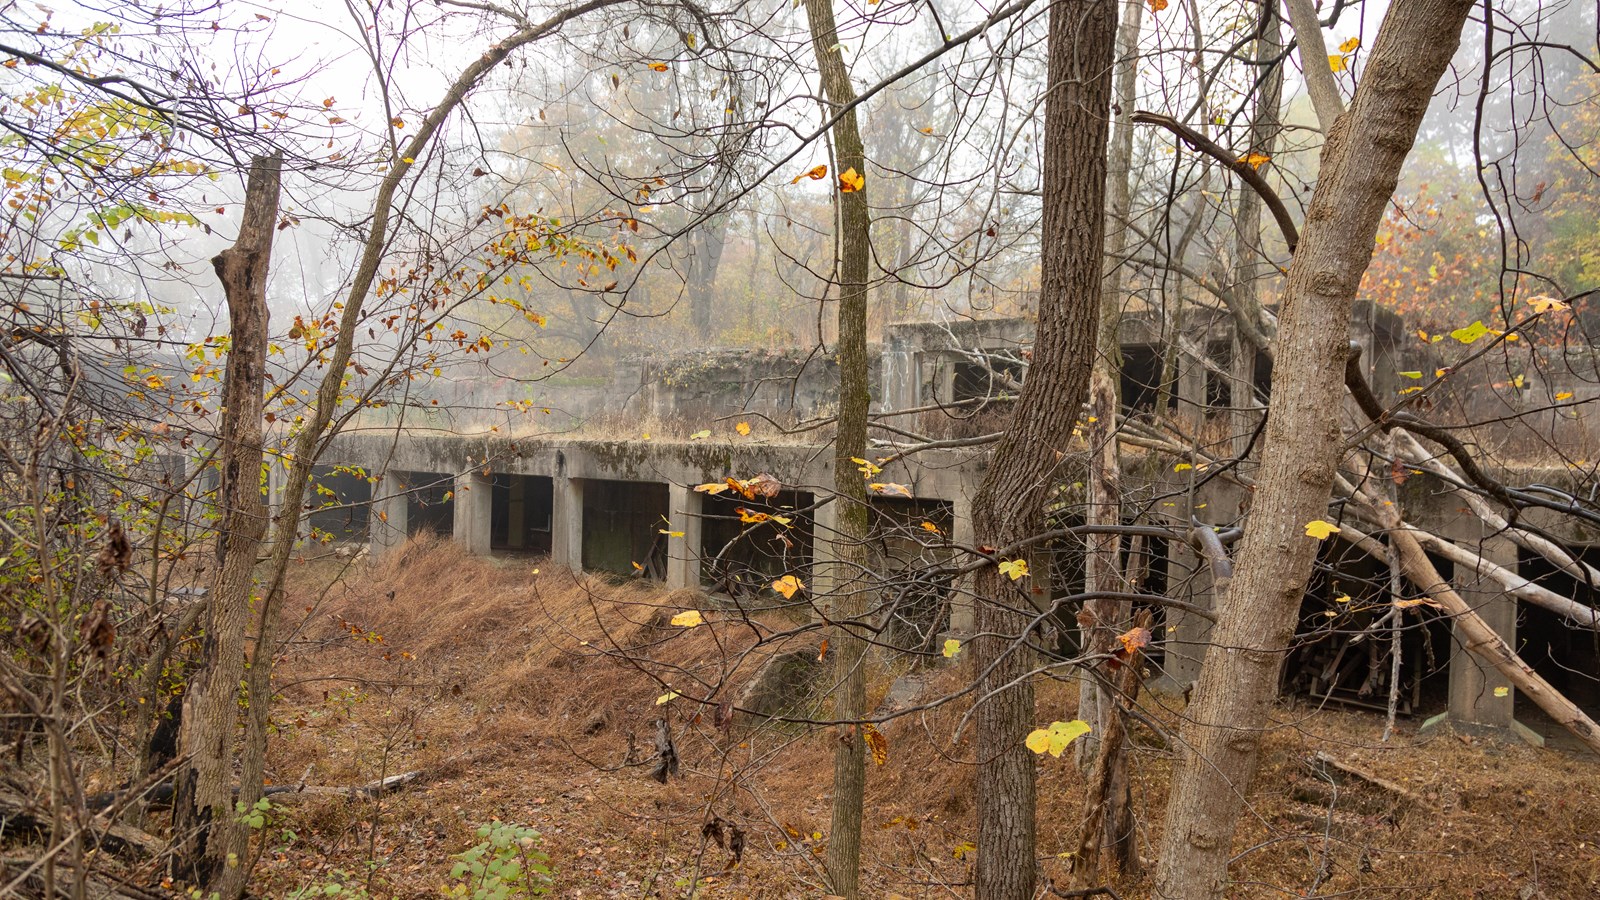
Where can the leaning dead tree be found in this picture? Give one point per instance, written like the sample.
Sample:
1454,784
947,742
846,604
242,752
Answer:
210,833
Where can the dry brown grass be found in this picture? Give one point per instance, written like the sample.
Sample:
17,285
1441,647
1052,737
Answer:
483,680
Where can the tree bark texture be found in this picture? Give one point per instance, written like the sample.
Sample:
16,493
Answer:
1028,461
1102,561
1360,166
845,583
1320,83
206,829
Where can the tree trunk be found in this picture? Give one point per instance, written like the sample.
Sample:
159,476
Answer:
1111,813
1320,83
848,564
207,833
1238,682
1249,266
706,246
1028,460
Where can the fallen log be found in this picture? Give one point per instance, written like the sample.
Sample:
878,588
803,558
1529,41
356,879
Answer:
1371,778
161,793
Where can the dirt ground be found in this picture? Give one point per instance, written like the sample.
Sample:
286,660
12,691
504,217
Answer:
516,695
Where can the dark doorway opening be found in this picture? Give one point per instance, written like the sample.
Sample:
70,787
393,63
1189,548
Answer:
623,525
748,544
910,540
1141,377
519,515
339,500
430,503
1566,656
1341,649
975,381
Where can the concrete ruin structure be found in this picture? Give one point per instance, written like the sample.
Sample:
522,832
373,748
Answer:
631,507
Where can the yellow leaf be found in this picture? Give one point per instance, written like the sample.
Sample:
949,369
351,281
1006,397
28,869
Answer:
963,849
1502,691
1254,159
658,67
1564,395
1056,737
398,122
876,743
1182,467
851,181
670,533
1342,598
689,618
637,567
1544,304
865,468
1517,381
743,428
1412,375
816,174
926,129
713,488
668,697
889,488
1015,569
951,648
1350,45
929,526
700,435
1321,530
788,585
407,160
1336,63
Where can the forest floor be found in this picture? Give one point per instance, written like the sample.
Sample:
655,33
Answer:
516,694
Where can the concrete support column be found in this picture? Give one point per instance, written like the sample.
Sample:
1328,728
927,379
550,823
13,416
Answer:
388,526
1186,634
1190,392
824,561
473,505
963,605
276,486
683,553
566,522
1474,684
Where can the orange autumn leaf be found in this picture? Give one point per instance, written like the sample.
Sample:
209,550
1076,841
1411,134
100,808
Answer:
816,174
851,181
876,743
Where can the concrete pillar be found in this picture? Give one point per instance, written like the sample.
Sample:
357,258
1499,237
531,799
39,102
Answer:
473,505
517,515
1187,634
1475,686
963,606
825,575
1190,392
683,553
388,526
276,486
566,522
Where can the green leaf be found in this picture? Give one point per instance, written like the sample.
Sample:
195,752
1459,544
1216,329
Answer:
1470,333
